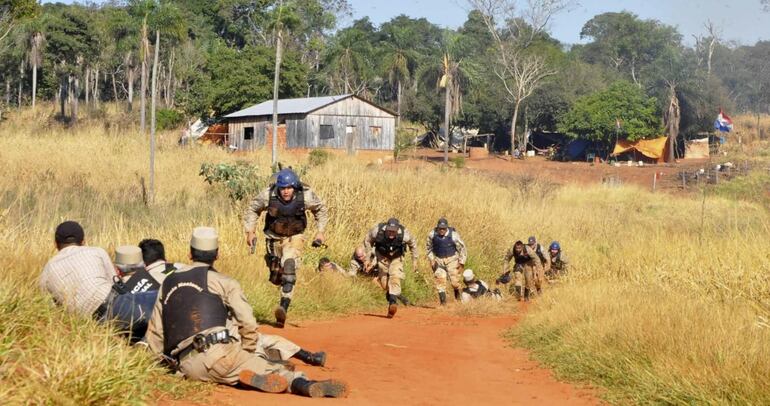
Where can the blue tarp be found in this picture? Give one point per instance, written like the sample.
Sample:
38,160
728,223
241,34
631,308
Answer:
576,148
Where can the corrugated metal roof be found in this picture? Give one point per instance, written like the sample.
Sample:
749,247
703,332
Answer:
288,106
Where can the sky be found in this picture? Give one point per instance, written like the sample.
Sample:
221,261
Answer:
740,20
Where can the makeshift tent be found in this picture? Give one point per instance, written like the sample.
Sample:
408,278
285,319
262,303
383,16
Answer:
576,149
651,151
695,149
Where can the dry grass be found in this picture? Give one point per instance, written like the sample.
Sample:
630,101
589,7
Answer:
746,128
658,295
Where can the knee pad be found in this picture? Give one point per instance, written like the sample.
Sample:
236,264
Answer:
275,278
287,287
290,267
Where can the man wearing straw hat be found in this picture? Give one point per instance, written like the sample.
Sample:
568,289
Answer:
202,322
83,280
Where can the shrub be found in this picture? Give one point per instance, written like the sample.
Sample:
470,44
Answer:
318,157
168,119
239,180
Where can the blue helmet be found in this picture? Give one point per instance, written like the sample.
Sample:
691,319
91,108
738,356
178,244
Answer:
286,178
555,246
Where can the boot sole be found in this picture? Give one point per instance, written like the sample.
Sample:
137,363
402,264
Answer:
392,309
328,389
280,317
321,362
270,383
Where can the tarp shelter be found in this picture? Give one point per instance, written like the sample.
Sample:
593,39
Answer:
576,149
695,149
653,151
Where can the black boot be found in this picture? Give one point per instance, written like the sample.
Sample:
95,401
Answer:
457,294
517,292
442,298
526,294
319,389
392,305
404,301
316,359
280,312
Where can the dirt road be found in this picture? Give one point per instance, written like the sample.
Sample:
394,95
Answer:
421,357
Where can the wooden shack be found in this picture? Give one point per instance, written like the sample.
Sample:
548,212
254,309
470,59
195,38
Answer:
345,122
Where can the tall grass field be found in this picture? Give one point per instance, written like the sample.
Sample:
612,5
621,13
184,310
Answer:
667,301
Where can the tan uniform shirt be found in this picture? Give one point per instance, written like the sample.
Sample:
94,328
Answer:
259,204
534,260
462,252
79,278
240,324
409,241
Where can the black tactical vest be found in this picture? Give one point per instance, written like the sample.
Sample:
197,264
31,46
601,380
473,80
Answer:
141,281
388,248
286,219
444,247
189,307
482,290
556,262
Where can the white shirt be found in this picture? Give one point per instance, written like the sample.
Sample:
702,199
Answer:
79,278
157,269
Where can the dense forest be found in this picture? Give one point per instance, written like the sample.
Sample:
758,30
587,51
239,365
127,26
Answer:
208,58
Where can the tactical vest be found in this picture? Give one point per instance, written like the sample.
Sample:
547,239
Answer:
539,252
556,262
388,248
286,218
444,247
188,307
522,258
480,290
169,267
141,281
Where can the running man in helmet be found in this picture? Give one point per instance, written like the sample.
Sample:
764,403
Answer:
286,203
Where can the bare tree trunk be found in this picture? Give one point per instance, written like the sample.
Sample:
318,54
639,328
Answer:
7,93
447,113
398,102
115,89
276,81
74,100
131,80
143,103
673,116
169,78
88,85
97,90
513,126
63,91
154,96
34,84
21,81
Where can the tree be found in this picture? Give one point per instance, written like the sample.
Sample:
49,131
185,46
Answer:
12,12
520,70
594,117
37,42
626,43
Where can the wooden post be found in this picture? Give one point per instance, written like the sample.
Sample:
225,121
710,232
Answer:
654,180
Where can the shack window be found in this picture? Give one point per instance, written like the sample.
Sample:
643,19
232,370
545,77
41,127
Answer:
376,131
248,133
327,131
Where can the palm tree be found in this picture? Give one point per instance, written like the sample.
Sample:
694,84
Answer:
399,61
37,41
349,62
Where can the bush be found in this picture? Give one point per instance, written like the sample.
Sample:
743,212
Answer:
458,162
168,119
318,157
239,180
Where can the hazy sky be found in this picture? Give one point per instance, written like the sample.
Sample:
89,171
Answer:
740,20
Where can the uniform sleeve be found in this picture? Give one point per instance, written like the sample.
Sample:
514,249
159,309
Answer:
564,261
154,335
412,244
235,300
255,208
429,247
318,208
462,252
369,240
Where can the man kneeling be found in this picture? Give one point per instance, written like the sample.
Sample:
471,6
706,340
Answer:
203,323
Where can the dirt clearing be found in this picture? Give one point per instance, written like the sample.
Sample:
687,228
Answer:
421,357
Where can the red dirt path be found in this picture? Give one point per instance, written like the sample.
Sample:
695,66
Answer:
421,357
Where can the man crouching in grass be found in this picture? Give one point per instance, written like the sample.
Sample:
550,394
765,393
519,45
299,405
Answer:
202,321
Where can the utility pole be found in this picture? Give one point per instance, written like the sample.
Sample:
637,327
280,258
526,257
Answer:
276,80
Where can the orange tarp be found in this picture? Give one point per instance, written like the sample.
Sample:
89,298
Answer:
653,149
